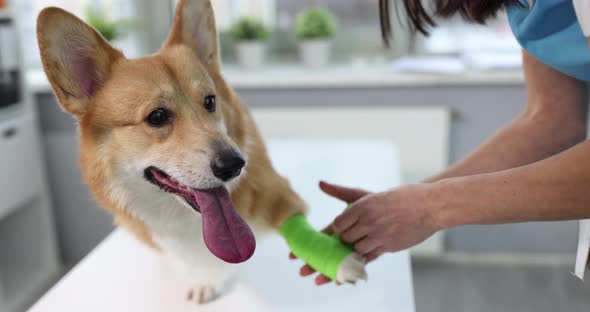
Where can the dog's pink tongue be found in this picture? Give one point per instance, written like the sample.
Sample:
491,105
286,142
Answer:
226,234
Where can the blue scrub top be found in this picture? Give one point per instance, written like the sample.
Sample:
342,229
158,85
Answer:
550,31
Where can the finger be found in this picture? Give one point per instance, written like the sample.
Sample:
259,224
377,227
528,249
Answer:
328,230
306,270
348,195
396,247
322,280
347,219
367,245
354,234
373,255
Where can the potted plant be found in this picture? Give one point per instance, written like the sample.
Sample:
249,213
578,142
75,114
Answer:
315,27
109,28
250,35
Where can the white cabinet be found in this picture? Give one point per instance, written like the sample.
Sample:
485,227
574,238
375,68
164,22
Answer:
20,168
28,248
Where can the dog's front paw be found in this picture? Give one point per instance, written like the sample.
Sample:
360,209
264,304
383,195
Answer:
202,294
352,269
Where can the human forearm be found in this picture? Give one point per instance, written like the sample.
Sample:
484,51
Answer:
554,120
553,189
527,139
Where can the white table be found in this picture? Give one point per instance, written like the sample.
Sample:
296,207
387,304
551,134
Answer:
123,275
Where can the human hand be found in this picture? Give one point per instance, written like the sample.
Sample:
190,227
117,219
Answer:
347,195
389,221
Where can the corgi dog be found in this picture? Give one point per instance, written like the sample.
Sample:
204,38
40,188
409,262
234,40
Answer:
166,145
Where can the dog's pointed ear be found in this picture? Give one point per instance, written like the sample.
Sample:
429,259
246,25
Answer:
76,58
194,26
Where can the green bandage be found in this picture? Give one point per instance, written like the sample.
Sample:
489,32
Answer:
323,252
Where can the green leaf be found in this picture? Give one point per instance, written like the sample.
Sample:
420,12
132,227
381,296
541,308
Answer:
249,29
315,23
110,29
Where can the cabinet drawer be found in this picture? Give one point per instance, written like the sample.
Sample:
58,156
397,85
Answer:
20,167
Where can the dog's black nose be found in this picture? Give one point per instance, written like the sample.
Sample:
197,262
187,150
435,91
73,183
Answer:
227,165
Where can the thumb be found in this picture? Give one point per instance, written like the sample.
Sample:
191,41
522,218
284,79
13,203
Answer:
348,195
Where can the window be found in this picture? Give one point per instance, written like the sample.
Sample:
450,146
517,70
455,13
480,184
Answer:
226,11
27,11
358,37
457,36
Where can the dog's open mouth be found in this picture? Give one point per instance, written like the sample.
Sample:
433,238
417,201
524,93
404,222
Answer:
226,234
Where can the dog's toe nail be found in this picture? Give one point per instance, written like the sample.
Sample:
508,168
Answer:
202,294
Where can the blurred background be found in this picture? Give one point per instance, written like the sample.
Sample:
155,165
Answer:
443,95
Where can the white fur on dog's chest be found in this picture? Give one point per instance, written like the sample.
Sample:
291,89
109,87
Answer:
181,241
175,228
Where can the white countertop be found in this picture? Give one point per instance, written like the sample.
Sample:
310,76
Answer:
349,76
124,275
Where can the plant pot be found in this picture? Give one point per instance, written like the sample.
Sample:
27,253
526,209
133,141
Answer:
315,53
251,54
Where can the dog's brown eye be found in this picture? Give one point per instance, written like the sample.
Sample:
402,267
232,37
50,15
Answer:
210,104
158,118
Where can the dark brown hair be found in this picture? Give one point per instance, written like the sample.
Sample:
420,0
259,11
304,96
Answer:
420,18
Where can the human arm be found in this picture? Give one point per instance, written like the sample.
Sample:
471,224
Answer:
553,189
554,120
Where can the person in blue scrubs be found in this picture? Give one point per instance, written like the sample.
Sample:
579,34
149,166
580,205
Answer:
535,168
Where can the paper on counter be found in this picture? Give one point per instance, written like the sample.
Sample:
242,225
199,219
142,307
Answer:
493,60
429,65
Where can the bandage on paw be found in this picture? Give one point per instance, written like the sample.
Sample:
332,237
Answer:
326,254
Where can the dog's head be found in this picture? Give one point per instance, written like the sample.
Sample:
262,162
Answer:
152,125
